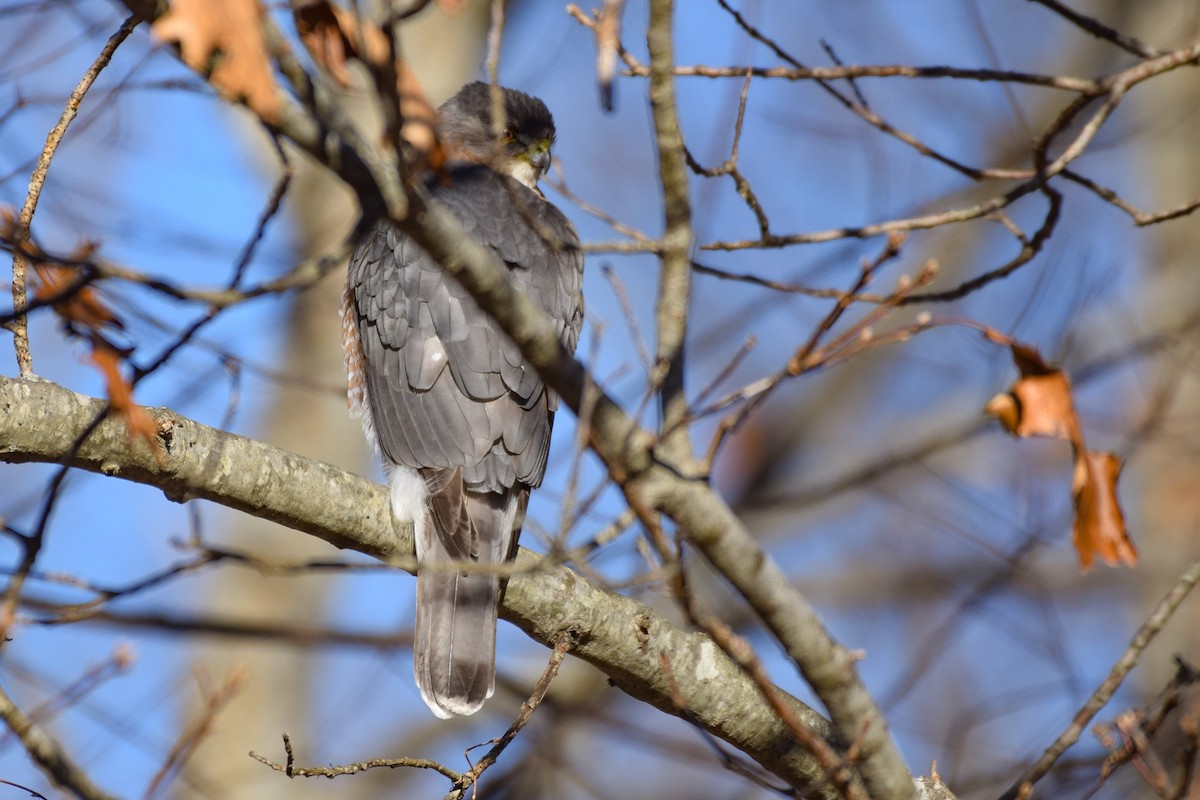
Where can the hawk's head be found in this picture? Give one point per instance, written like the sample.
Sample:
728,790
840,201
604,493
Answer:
523,147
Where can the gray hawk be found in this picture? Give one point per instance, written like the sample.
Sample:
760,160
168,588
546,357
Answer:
462,421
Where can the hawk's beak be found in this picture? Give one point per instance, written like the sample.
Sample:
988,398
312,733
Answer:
540,161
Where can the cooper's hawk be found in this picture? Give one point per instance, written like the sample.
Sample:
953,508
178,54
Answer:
462,421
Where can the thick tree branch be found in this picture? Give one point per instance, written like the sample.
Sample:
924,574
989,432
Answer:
39,422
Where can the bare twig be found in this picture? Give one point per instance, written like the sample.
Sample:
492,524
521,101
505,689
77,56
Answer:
92,678
92,269
559,184
268,213
1065,83
837,769
32,793
1099,698
1100,30
630,315
18,324
292,771
1029,250
608,39
214,701
1140,218
730,167
48,754
561,647
862,111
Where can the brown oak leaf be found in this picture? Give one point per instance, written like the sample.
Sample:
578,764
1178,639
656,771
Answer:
223,39
334,35
87,316
1099,530
81,308
1040,403
138,423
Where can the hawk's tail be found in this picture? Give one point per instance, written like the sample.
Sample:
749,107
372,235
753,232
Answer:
454,651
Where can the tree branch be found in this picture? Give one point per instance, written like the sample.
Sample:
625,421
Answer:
48,754
39,422
36,181
675,283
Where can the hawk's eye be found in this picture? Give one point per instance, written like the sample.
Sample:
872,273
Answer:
508,136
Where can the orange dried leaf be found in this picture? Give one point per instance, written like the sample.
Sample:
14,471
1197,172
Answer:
334,35
223,39
418,116
1029,361
1046,407
82,308
1040,402
1099,530
1004,408
120,397
319,31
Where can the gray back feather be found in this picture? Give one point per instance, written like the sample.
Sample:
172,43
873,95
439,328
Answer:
447,388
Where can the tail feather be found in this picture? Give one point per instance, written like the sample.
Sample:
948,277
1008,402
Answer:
455,642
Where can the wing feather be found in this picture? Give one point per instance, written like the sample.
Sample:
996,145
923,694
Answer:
430,349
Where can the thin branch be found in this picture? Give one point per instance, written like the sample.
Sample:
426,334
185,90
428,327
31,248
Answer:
268,213
18,324
93,269
853,72
730,167
838,772
1113,88
214,701
559,184
1100,30
292,771
1124,665
866,114
1140,218
675,281
469,779
48,754
627,311
93,677
1029,250
234,628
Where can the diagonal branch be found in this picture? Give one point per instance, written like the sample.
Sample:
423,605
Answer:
48,753
618,635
